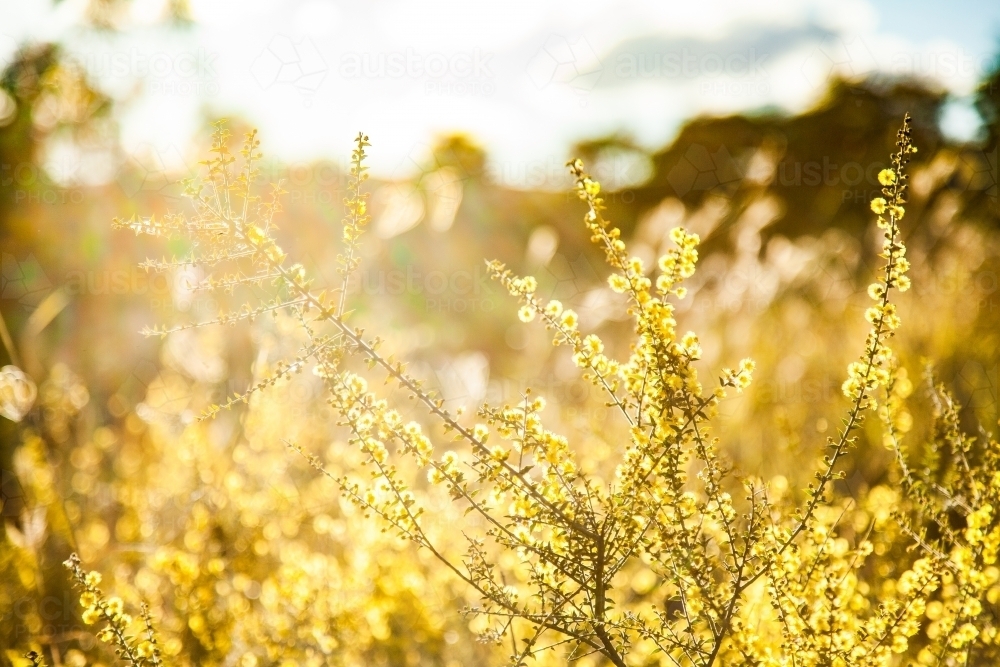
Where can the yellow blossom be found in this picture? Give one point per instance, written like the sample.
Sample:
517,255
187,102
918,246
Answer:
617,282
553,308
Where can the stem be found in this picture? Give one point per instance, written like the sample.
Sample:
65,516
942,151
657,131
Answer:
600,600
8,343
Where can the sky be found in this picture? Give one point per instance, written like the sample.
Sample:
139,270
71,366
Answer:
526,79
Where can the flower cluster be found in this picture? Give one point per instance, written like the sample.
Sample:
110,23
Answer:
961,623
665,557
111,612
872,370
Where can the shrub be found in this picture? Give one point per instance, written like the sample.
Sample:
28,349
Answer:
666,556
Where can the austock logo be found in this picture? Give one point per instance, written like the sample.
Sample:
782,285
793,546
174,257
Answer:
154,395
23,280
461,73
849,57
289,63
573,64
428,184
28,183
688,64
731,72
463,379
579,285
978,172
702,169
182,73
8,51
12,501
979,384
8,106
400,64
153,169
570,279
26,518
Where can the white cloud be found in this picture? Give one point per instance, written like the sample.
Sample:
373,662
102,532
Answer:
526,78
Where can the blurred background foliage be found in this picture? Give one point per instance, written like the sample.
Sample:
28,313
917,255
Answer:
245,555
